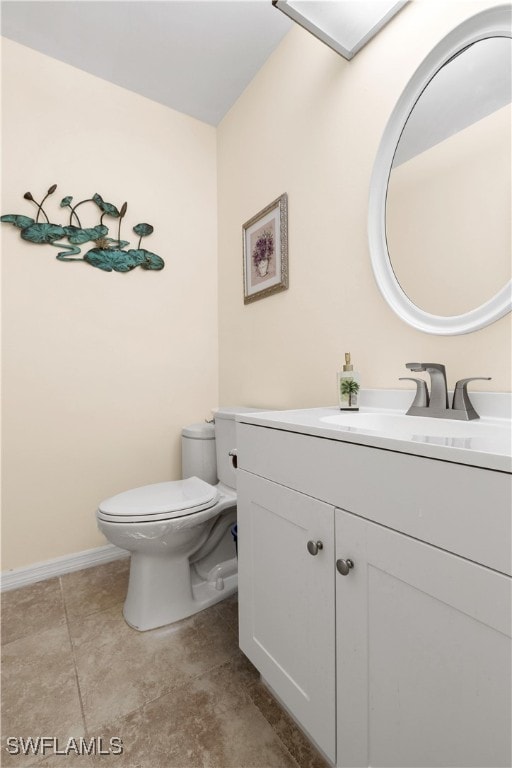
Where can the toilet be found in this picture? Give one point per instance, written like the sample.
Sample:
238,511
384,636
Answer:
183,556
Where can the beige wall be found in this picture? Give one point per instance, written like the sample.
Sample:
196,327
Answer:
100,370
310,124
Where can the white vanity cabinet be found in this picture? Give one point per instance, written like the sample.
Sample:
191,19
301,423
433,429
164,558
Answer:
423,649
287,598
406,659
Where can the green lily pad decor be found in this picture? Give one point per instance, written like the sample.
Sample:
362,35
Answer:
106,253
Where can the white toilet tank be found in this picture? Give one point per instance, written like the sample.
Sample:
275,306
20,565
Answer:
198,456
205,448
225,441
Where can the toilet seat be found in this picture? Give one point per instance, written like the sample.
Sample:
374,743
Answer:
160,501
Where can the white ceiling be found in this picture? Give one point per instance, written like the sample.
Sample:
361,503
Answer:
196,56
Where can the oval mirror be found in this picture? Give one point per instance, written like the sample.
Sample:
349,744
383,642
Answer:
440,200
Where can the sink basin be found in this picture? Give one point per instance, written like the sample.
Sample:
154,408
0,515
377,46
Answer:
397,425
382,423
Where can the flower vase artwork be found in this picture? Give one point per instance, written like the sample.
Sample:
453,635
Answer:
108,253
263,252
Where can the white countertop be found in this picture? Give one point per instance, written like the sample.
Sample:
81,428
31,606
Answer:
484,442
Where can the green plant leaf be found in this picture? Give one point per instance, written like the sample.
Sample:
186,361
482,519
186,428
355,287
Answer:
100,230
110,259
147,260
107,208
43,233
19,221
143,229
77,235
66,201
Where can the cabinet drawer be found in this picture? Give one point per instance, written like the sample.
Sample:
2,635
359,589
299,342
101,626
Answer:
462,509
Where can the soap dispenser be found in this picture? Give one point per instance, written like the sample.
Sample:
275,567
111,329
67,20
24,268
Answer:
348,386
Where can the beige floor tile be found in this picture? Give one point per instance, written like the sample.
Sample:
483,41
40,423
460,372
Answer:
39,690
120,669
246,674
179,697
228,610
209,722
95,589
31,609
291,736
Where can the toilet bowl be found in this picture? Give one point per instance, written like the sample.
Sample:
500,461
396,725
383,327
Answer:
183,558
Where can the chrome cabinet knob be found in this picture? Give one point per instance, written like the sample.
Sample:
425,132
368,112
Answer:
314,547
344,566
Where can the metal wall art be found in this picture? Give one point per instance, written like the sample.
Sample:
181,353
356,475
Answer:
108,253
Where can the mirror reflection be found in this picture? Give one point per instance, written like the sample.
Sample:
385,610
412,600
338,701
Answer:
449,194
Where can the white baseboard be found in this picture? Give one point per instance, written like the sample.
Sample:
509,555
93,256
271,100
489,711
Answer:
22,577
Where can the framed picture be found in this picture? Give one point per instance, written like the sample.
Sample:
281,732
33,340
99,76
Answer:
265,241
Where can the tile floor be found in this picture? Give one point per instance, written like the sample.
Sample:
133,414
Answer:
183,696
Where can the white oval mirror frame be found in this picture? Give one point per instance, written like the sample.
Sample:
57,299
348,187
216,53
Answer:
493,22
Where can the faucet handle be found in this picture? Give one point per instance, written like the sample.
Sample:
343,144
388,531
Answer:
461,401
421,398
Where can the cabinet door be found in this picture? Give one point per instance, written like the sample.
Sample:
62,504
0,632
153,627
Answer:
423,653
286,598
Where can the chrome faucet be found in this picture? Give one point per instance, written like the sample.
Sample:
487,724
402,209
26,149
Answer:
438,385
436,405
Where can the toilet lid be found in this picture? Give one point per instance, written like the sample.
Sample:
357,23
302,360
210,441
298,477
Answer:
174,499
